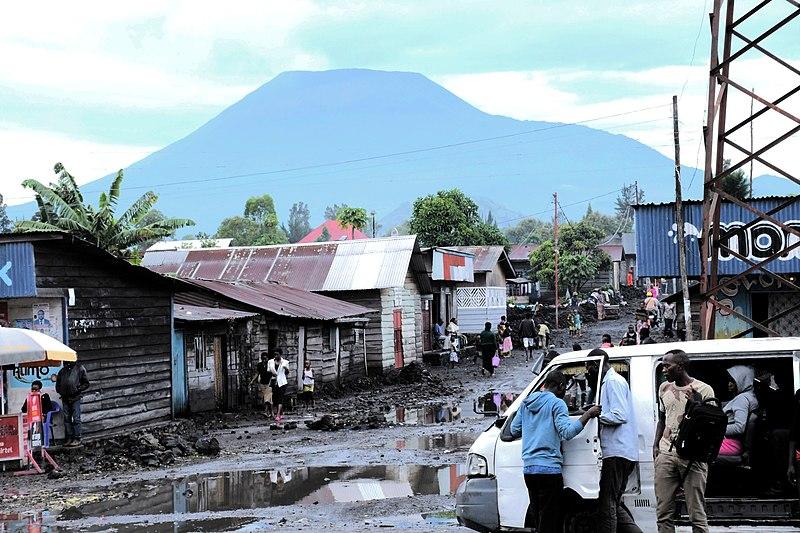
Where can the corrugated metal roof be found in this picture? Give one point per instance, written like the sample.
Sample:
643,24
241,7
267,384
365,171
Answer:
190,244
282,300
774,197
329,266
195,313
521,252
486,257
657,248
629,243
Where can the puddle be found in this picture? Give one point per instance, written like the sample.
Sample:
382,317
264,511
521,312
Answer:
447,442
237,490
494,403
39,523
440,518
427,415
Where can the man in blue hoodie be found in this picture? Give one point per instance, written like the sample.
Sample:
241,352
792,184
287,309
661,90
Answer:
543,422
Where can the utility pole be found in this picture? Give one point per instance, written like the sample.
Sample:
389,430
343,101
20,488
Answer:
687,308
752,100
636,198
555,248
373,224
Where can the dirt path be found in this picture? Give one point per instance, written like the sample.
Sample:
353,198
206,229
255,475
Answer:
403,474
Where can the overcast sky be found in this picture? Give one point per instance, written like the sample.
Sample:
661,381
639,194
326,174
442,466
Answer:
98,87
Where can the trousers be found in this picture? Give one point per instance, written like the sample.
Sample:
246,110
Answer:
613,514
544,509
72,419
668,472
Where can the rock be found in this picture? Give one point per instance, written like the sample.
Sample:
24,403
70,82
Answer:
207,445
71,513
290,425
148,440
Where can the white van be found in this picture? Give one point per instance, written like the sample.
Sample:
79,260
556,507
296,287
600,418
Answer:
494,496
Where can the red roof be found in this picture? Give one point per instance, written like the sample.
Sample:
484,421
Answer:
336,231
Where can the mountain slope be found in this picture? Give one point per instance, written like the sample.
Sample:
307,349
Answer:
288,137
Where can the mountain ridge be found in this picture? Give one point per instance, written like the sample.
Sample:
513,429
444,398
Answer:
380,139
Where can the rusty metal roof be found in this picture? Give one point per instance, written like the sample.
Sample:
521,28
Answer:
282,300
327,266
521,252
486,257
195,313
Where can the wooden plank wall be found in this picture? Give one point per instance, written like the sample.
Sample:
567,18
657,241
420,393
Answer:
120,326
411,304
377,349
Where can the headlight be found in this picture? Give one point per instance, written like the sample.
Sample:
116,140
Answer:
476,465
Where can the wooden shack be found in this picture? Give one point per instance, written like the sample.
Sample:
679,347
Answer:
116,316
385,275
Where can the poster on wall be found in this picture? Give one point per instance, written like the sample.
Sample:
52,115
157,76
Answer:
45,316
41,320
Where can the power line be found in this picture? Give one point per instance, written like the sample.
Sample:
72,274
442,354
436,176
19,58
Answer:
389,155
694,48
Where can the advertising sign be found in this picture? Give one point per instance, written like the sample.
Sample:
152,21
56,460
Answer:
11,448
34,407
657,238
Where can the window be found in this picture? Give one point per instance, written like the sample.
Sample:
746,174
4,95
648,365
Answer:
200,349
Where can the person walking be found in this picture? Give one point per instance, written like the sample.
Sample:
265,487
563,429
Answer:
544,335
527,330
487,343
669,318
71,382
672,472
543,422
263,377
279,368
619,442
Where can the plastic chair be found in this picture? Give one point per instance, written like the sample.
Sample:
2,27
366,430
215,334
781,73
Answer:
47,427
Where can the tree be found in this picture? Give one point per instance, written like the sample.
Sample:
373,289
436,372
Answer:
5,223
736,183
354,218
578,258
332,210
450,218
258,227
299,222
529,231
325,236
626,199
607,224
62,208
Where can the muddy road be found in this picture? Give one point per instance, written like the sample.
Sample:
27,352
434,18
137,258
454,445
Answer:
398,467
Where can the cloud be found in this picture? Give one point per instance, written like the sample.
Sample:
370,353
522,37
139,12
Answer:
32,154
581,95
149,56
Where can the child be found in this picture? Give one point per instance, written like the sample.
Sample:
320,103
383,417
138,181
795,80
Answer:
507,345
571,324
308,385
578,324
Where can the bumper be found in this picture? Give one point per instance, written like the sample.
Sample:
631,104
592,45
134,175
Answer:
476,504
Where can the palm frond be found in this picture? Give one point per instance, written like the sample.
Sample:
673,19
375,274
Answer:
138,209
115,189
57,203
27,226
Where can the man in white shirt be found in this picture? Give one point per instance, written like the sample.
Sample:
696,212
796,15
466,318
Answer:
279,368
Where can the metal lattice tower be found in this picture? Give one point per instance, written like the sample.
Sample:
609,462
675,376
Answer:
735,33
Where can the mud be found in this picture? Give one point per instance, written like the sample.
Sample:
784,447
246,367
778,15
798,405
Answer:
400,474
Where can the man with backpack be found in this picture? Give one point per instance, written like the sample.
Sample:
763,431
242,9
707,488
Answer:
672,468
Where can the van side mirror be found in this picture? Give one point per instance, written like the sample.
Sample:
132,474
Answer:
500,421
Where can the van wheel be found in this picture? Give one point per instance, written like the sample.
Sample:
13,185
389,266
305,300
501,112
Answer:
580,522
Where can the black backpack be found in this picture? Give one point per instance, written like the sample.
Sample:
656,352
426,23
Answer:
701,431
